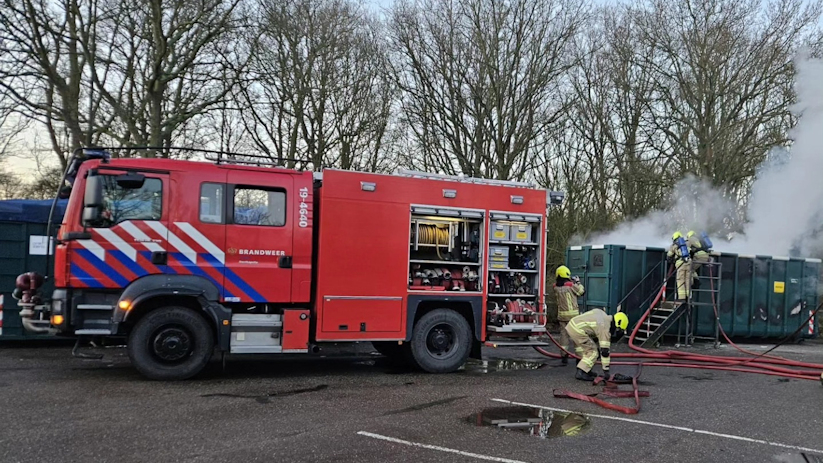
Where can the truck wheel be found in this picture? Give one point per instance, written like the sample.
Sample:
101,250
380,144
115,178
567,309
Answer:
441,341
171,343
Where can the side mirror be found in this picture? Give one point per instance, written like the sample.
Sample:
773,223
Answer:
94,191
91,214
92,200
556,197
130,181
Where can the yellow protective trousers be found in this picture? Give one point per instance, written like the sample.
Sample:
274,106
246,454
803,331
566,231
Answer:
684,280
584,347
565,340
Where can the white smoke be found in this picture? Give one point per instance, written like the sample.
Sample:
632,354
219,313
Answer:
693,205
785,210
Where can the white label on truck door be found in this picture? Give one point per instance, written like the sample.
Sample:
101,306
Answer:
39,245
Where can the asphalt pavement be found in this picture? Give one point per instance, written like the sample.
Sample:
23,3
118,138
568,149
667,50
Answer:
350,405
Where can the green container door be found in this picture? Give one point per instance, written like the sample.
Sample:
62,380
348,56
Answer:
610,272
14,260
759,297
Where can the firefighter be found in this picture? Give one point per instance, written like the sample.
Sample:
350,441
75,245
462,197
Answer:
698,254
681,264
591,331
567,288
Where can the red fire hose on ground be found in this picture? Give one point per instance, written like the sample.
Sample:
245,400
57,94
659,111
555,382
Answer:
761,363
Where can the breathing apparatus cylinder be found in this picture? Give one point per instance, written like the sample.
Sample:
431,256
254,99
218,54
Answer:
705,242
683,247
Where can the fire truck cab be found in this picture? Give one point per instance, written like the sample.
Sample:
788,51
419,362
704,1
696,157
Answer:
186,258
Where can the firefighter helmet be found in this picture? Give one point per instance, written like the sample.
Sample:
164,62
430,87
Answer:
690,234
563,272
621,321
677,235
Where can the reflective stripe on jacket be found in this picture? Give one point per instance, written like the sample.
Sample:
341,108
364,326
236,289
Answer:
567,295
674,251
595,324
696,248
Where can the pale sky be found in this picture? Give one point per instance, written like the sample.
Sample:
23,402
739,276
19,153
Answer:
28,167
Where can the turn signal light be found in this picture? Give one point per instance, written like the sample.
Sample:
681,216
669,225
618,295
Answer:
57,320
125,305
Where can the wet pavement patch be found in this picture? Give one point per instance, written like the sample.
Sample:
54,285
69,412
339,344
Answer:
707,377
799,458
426,405
264,399
492,366
537,422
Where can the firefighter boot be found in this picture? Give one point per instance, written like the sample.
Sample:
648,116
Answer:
583,376
564,359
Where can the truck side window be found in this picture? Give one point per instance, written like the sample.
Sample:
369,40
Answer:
211,203
257,206
122,204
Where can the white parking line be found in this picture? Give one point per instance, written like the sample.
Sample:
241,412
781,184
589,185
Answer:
437,447
668,426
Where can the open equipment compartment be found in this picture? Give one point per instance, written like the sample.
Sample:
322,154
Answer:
514,273
445,251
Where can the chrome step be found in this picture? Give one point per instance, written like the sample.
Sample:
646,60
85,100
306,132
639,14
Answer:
517,328
94,307
515,343
93,332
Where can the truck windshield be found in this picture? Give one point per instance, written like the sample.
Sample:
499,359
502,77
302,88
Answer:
121,204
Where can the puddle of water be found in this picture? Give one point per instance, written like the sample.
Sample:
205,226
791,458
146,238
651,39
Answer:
537,422
491,366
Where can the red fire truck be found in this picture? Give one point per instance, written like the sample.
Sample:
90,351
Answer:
185,258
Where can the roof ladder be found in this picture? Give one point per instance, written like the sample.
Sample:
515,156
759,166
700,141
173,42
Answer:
463,179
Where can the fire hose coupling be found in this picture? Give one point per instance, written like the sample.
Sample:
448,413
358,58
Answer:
26,286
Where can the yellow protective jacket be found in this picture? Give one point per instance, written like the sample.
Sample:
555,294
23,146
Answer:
695,248
595,324
674,251
567,295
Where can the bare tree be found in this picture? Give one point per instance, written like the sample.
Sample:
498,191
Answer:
171,63
317,89
44,70
723,80
482,80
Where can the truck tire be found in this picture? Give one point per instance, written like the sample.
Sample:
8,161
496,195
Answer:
170,344
441,341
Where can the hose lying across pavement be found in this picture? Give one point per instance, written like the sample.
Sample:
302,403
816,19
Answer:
756,363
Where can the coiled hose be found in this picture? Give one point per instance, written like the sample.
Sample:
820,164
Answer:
756,363
432,234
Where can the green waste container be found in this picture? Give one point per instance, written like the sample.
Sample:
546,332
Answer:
610,273
23,248
760,296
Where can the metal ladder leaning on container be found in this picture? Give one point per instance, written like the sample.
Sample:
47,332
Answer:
667,312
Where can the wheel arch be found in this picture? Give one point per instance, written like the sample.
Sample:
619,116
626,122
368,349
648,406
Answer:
470,307
151,292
